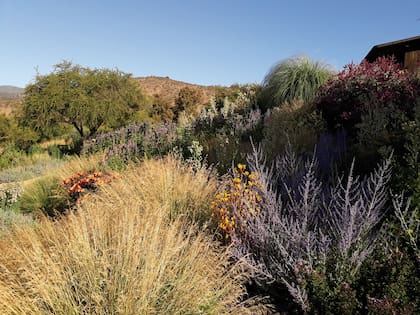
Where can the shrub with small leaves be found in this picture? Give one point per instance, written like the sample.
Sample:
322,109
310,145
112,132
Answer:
242,194
367,86
9,195
293,122
187,100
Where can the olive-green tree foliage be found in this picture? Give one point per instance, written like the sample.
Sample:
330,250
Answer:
5,125
20,136
84,98
161,108
296,78
187,100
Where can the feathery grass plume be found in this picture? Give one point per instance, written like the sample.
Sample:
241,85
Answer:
296,78
307,228
121,253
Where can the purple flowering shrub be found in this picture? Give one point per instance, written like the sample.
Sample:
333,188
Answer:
310,238
225,127
134,142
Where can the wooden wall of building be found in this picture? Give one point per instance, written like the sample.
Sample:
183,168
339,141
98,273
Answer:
412,61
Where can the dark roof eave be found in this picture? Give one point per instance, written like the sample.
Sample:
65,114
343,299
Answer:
413,41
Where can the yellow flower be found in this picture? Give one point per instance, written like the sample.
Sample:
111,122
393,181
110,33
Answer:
241,166
236,180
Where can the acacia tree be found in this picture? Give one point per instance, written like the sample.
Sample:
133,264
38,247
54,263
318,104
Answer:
84,98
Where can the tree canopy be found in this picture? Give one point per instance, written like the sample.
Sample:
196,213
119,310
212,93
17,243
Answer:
84,98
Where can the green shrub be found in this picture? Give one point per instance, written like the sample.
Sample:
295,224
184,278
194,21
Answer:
294,123
10,156
161,109
24,137
388,282
187,101
5,125
55,151
296,78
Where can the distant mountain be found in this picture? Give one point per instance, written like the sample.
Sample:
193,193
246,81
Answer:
169,89
10,92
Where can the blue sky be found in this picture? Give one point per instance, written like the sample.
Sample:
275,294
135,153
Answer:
200,41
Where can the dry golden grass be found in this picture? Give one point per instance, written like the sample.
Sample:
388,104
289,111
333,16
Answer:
169,182
125,252
9,106
77,164
48,143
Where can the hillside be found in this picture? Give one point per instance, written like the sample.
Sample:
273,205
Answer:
10,92
168,88
10,98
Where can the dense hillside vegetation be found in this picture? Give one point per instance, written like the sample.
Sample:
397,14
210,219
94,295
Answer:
301,195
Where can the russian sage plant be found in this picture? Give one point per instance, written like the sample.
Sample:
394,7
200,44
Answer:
308,228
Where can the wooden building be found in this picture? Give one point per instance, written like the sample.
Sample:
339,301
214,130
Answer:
406,51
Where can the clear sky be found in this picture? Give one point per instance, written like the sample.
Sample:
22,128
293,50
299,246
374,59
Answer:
200,41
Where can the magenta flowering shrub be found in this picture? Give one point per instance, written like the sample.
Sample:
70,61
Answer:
367,86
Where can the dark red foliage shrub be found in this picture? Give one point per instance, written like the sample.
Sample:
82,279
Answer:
367,86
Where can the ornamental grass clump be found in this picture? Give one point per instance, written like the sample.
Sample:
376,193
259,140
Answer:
185,191
296,78
124,252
